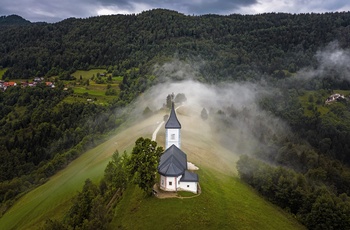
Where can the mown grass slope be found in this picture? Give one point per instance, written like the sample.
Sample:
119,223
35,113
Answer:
225,202
53,199
2,71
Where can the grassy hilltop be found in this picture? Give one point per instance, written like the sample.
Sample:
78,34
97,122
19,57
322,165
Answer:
225,202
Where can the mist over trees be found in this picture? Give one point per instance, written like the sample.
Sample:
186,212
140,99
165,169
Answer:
204,114
299,60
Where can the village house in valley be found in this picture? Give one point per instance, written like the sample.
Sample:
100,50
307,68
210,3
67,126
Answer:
173,165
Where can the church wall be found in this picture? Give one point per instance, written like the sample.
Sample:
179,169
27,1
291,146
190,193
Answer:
168,183
188,186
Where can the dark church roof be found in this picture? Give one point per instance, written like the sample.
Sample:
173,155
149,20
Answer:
189,177
173,122
173,162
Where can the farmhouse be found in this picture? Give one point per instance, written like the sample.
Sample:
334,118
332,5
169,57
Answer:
334,97
173,165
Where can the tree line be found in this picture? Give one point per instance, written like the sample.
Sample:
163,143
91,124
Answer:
92,208
41,133
234,47
311,202
306,172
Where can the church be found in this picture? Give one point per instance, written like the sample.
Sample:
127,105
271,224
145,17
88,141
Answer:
173,165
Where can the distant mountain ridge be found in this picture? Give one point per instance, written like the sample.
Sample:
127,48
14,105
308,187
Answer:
13,20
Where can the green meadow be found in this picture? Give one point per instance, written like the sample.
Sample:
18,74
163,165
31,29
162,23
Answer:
88,74
225,202
312,100
2,71
53,199
95,91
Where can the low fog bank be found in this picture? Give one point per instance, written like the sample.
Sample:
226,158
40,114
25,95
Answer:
233,108
330,69
234,114
331,59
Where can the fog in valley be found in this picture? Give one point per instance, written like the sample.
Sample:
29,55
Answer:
234,113
233,108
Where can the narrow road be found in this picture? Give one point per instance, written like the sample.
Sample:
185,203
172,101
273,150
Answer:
154,135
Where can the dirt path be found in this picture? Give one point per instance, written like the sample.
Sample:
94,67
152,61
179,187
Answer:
154,135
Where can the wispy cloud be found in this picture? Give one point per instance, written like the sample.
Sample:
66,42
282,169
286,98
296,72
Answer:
332,61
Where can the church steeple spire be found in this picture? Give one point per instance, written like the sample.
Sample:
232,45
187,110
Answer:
172,130
173,122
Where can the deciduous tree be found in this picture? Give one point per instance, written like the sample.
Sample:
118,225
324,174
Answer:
144,163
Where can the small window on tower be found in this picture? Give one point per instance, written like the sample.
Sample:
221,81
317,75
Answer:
172,137
170,183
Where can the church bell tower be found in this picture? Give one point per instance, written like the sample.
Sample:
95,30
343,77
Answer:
172,130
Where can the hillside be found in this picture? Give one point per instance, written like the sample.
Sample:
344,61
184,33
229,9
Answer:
234,47
243,207
13,20
262,78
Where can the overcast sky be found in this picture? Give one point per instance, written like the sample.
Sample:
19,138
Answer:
53,11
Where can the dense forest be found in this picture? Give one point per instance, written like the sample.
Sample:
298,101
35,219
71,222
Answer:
234,46
305,171
40,135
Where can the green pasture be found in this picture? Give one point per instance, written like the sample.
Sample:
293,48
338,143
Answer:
53,199
82,92
98,91
94,91
2,71
315,101
225,203
88,74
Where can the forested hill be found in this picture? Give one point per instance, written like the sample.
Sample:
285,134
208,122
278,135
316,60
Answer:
12,20
235,46
43,129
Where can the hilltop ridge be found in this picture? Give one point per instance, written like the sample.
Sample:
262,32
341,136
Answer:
12,20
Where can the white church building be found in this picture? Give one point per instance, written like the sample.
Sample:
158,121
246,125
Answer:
174,174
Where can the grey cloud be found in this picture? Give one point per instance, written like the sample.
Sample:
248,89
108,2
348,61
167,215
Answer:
48,11
184,6
53,11
219,7
335,5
